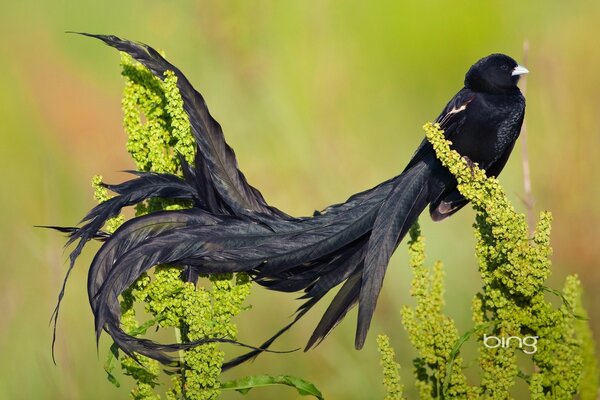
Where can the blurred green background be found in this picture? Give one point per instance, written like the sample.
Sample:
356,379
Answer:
320,99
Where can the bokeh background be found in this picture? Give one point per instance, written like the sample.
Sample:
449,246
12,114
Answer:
320,99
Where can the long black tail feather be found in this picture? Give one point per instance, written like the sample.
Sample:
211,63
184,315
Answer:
147,185
216,154
72,230
343,301
159,351
398,213
302,310
231,228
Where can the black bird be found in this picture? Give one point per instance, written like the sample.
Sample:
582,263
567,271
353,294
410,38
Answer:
231,228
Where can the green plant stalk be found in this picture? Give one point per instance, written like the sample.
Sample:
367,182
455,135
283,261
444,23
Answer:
158,129
438,369
391,373
512,303
514,267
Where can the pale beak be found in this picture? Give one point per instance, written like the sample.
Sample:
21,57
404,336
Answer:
519,70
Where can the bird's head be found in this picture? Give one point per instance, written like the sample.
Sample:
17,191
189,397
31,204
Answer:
496,74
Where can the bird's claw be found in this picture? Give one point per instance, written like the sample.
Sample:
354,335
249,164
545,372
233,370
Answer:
471,165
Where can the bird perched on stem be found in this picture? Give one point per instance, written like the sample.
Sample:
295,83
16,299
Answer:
231,228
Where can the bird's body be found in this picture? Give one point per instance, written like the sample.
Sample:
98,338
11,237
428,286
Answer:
231,228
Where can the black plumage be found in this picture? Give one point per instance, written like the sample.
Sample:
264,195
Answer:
231,228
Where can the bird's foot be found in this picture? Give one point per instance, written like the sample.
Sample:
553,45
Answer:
471,165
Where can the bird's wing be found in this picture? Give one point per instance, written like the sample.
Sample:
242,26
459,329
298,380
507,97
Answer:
214,153
450,202
451,119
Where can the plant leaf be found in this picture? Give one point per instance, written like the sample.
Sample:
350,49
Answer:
142,329
456,349
243,385
109,366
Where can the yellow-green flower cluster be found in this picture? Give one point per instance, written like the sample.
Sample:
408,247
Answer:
514,267
391,375
589,378
145,371
196,313
154,119
101,195
157,126
437,369
158,129
225,300
559,360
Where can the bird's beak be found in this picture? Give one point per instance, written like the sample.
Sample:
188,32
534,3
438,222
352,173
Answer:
519,70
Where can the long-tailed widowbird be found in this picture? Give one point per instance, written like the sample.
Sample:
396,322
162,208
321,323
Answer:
231,228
